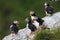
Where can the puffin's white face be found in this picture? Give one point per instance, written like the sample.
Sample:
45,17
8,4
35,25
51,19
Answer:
26,20
31,12
45,4
16,22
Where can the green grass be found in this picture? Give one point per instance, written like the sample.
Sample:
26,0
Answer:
11,10
48,35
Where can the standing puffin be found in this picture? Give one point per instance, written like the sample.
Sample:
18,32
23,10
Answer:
30,25
14,27
48,9
37,21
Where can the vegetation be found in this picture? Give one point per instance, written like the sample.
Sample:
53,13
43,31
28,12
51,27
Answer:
11,10
48,35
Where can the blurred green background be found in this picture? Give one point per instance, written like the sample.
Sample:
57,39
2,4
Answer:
11,10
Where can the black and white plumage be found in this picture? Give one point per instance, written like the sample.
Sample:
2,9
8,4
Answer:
48,9
38,19
30,25
14,28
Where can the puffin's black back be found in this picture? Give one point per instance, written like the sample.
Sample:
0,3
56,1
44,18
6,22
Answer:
40,21
31,26
49,10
